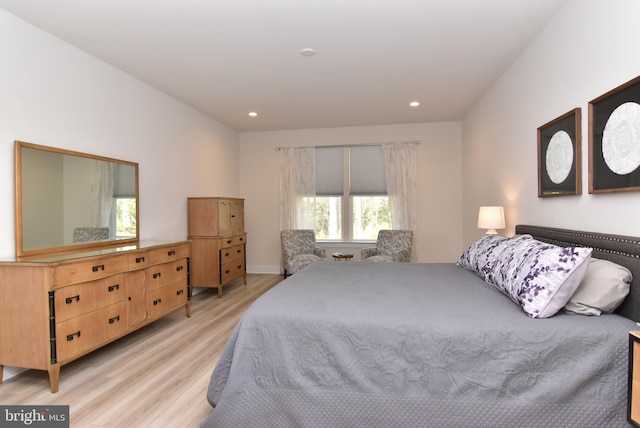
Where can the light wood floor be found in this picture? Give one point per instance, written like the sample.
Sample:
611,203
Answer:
155,377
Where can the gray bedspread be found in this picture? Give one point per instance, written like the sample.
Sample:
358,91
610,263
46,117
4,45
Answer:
414,345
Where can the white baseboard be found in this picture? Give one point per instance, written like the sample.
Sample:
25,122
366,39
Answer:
10,372
270,269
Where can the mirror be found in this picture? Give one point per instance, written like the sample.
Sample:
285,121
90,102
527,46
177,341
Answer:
67,200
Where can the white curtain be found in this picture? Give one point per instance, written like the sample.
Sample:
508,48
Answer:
400,164
101,192
297,188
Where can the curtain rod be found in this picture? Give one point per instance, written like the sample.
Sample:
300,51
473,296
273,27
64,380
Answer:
355,145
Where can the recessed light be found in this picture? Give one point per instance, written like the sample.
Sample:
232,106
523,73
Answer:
308,52
253,114
414,103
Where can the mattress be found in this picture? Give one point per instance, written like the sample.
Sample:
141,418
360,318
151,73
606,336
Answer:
414,345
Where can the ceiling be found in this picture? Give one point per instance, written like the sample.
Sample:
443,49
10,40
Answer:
227,58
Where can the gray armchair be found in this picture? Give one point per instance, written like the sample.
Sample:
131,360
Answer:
87,234
299,250
392,246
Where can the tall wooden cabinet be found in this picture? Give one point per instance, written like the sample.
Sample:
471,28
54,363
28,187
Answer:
218,241
56,308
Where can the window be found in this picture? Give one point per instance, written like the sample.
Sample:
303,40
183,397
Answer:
123,212
351,193
124,221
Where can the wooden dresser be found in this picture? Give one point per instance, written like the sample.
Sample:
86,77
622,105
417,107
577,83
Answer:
218,241
56,308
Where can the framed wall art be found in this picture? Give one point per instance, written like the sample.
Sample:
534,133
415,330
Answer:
559,156
614,140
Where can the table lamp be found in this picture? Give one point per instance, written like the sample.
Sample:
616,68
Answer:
491,218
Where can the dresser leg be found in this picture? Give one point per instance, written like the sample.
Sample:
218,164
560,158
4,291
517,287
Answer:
54,377
188,308
1,371
219,290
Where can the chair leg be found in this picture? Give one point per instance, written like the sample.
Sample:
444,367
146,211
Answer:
285,274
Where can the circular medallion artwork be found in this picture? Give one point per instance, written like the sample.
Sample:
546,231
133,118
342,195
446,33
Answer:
559,157
621,139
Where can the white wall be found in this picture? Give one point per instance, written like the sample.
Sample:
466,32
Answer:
55,95
589,48
438,237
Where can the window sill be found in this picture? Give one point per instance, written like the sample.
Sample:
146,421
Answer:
345,244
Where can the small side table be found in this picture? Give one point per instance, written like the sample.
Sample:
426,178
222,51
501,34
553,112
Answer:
342,256
633,407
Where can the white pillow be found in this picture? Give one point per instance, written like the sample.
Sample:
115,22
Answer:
603,288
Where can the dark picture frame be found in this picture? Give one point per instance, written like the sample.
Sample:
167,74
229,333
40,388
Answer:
560,156
614,140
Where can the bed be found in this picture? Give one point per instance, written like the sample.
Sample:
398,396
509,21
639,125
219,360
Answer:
424,345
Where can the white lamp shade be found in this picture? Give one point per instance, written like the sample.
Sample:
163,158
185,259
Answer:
491,218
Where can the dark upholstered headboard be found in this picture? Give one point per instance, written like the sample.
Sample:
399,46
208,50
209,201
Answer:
624,250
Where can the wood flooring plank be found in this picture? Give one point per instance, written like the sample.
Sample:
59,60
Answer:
156,376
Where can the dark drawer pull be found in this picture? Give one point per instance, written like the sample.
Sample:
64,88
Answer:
179,292
157,275
157,302
114,319
239,251
179,268
114,287
171,253
239,266
69,300
233,216
227,271
139,259
229,241
241,239
70,336
227,254
97,268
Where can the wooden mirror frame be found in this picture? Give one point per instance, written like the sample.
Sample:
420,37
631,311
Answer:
64,247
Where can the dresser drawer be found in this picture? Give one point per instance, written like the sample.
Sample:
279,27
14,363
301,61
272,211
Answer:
169,253
232,241
79,335
232,253
75,273
232,270
166,298
74,300
167,273
139,260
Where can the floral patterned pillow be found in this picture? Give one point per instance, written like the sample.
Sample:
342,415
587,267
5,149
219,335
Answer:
480,256
540,277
